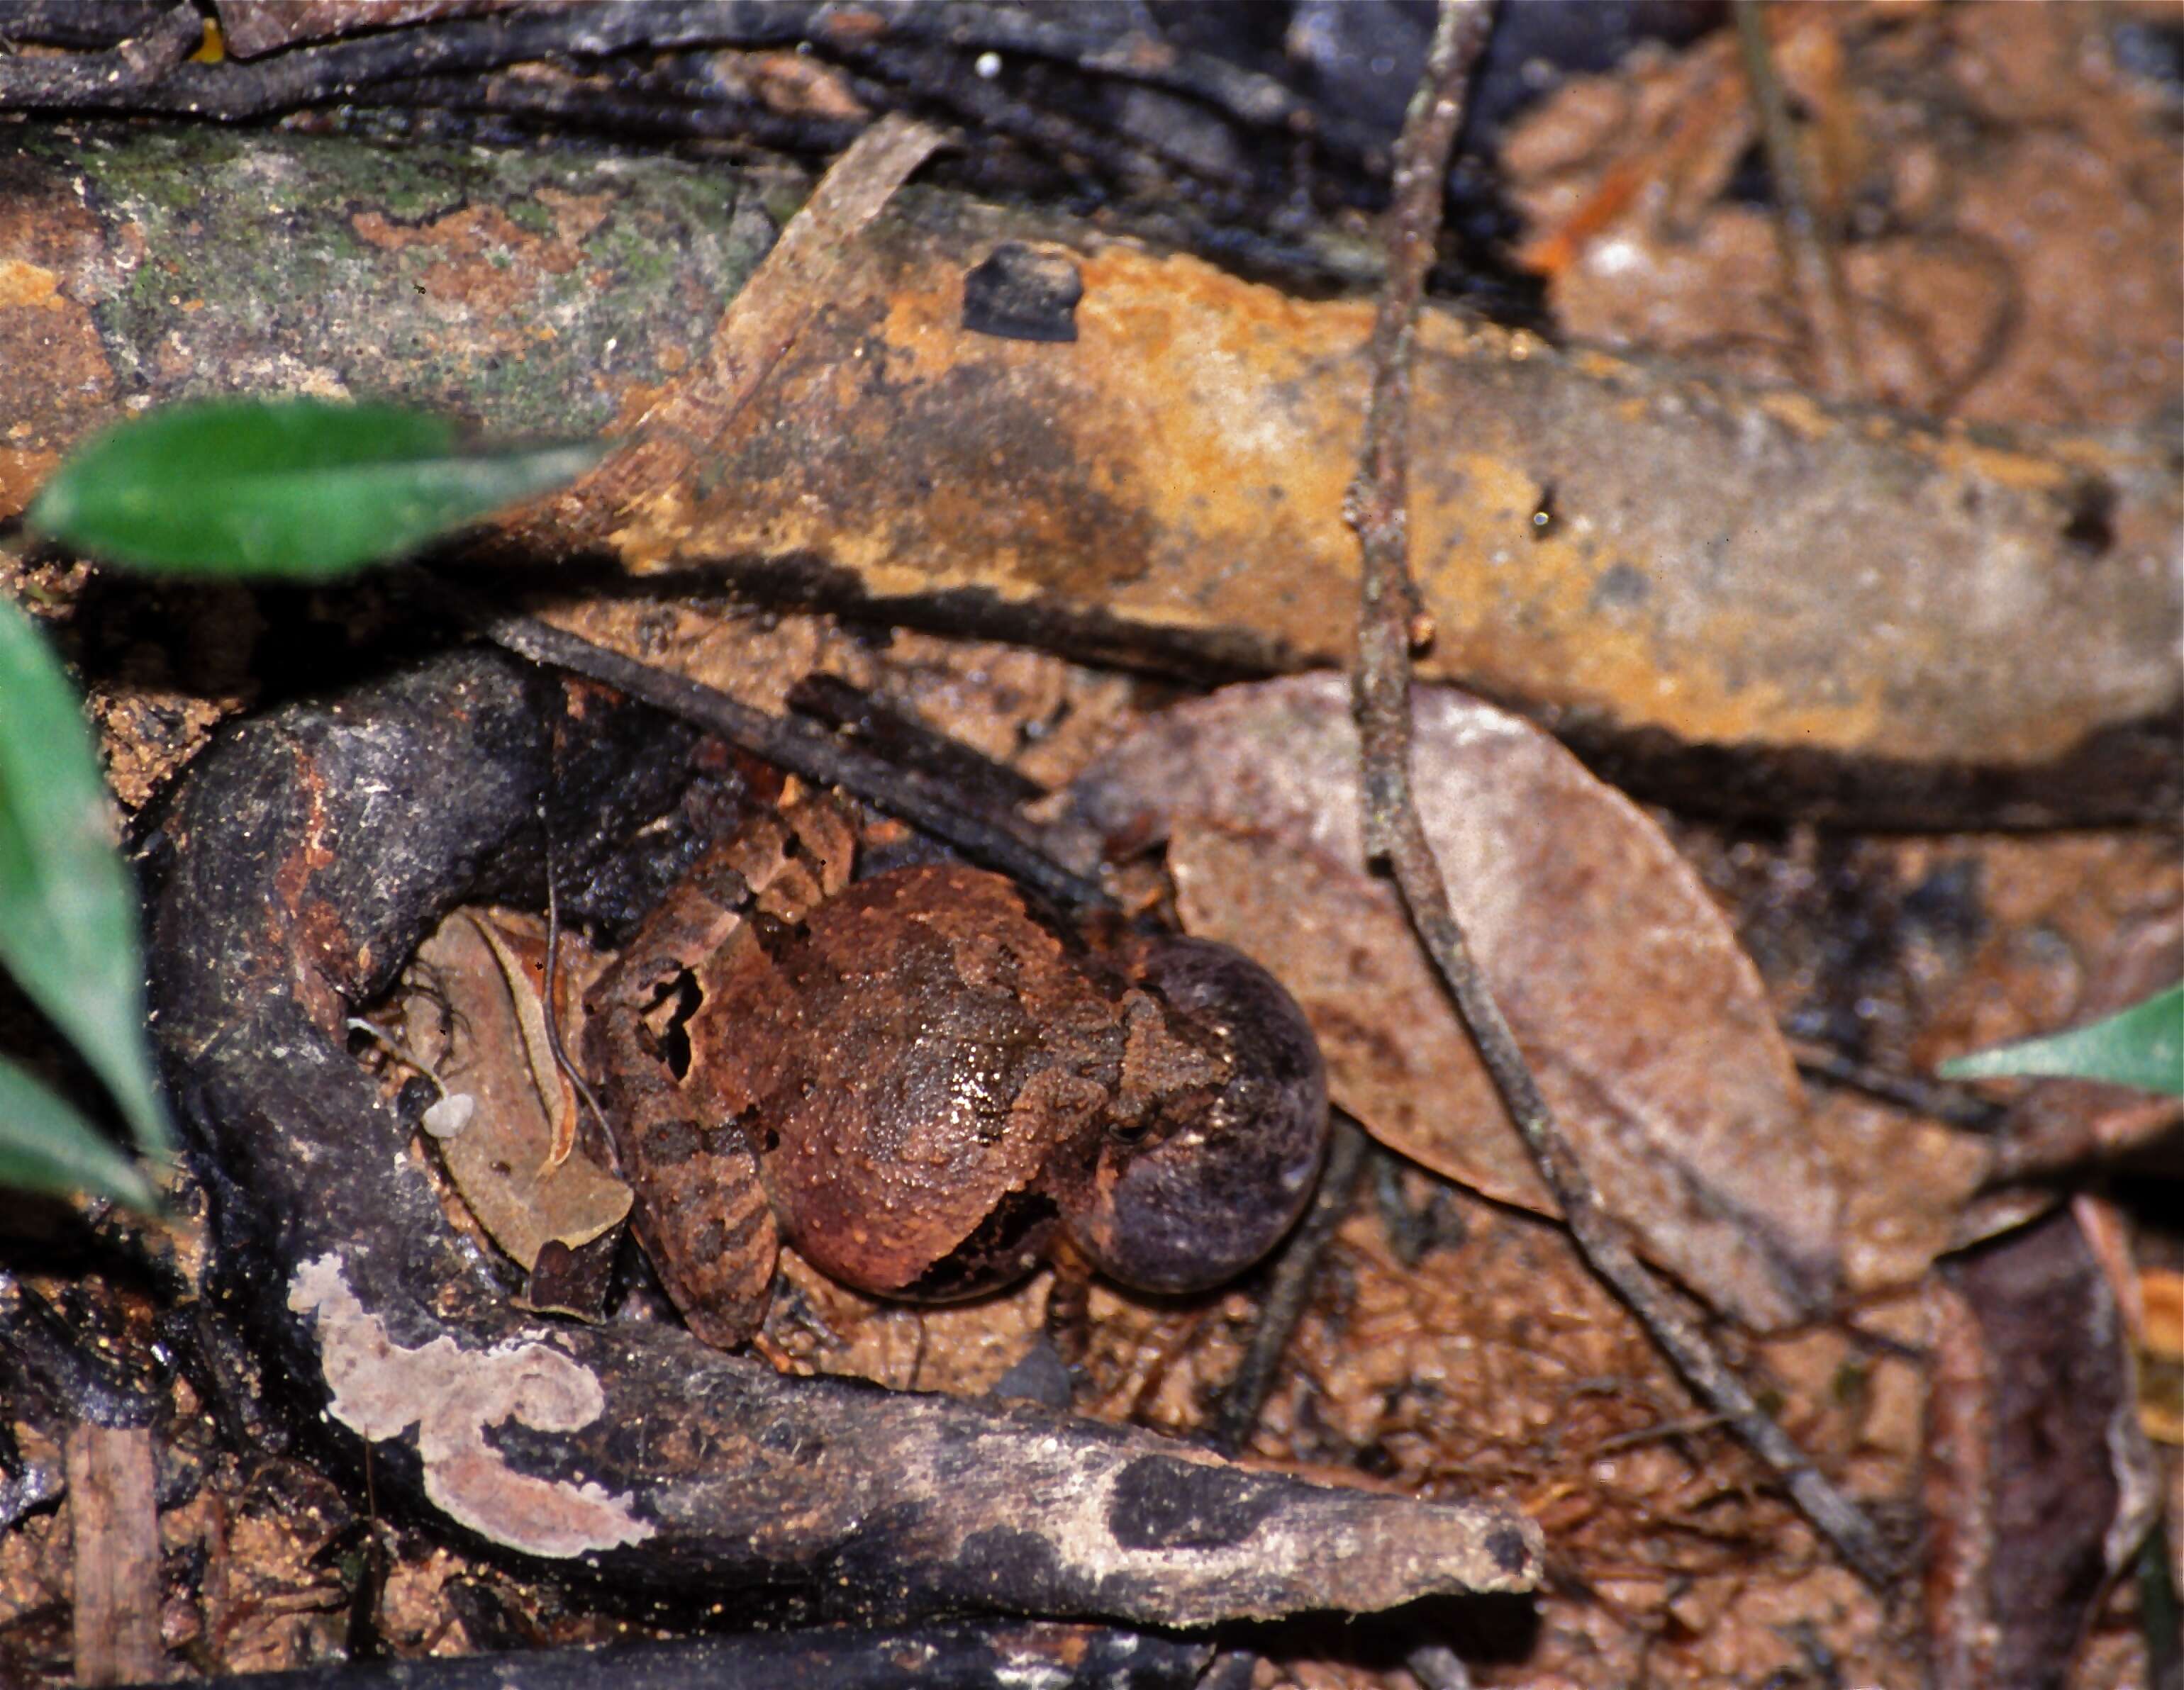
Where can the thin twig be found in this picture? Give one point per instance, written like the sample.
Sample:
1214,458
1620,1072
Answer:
1288,1287
1956,1106
1394,833
113,78
795,745
563,1143
1815,273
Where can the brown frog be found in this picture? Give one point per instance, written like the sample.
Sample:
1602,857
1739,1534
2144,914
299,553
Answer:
929,1084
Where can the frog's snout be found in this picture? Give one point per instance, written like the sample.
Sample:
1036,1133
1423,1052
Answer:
1203,1196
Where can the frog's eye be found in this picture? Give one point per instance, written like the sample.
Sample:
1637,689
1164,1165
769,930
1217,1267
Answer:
1196,1195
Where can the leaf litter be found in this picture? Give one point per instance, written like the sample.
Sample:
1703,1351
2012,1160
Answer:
1491,1363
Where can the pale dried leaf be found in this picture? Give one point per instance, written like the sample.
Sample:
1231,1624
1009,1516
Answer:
502,1159
1647,1025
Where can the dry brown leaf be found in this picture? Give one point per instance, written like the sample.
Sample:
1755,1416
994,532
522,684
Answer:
502,1159
2039,1485
1648,1026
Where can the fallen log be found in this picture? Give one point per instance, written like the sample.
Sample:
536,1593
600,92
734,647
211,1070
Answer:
1017,425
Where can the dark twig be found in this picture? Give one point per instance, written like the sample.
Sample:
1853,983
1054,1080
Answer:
120,77
1395,834
937,78
1288,1286
1815,274
862,719
344,69
569,1071
341,69
795,745
76,23
1956,1106
579,103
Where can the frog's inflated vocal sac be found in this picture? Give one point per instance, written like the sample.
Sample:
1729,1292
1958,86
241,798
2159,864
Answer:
927,1083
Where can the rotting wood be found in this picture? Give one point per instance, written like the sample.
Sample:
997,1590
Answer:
115,1527
1742,600
302,858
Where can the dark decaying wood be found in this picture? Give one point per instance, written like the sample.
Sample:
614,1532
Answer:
305,855
115,1532
956,1657
1741,600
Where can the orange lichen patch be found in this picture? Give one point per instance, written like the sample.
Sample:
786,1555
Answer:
21,474
27,285
576,215
43,239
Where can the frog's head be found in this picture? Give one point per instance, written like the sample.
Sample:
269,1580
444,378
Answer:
1219,1124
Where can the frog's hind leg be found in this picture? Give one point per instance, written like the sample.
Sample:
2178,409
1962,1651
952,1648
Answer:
676,1097
702,1187
699,1208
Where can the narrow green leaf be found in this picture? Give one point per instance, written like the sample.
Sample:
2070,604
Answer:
298,488
2143,1046
46,1145
68,907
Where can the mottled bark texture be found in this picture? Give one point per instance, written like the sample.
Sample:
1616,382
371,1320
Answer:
303,858
955,1657
1745,601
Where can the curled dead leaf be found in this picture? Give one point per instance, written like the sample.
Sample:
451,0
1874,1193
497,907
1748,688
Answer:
503,1156
1646,1024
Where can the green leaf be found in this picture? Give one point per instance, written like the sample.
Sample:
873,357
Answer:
2143,1046
68,907
298,488
47,1146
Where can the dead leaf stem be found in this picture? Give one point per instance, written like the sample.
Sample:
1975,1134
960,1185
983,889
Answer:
1394,831
1289,1289
1816,271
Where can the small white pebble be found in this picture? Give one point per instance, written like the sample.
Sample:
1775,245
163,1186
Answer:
988,65
451,1115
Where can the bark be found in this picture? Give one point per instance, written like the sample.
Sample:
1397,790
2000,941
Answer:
1746,601
959,1657
306,853
114,1535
